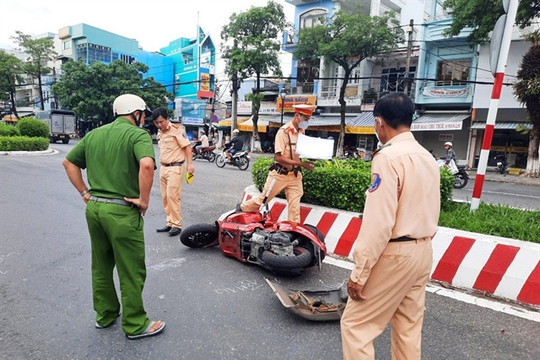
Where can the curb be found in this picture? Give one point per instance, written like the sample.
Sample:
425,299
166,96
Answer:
498,266
49,151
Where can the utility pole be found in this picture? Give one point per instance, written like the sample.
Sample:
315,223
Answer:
234,108
409,30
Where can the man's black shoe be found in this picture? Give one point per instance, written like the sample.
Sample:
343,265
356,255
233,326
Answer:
164,229
175,231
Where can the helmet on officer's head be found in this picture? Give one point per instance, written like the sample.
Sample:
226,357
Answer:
236,131
128,103
448,143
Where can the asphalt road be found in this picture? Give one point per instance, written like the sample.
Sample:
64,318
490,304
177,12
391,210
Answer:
215,307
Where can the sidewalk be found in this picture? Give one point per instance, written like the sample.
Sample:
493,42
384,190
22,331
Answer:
491,174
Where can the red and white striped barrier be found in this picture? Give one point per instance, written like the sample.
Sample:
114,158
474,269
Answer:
499,266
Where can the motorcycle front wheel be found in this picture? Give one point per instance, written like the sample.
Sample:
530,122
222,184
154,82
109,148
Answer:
220,161
302,258
243,163
460,181
196,236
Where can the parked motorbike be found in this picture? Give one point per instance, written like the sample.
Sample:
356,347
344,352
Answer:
240,159
349,153
461,177
255,237
502,163
206,153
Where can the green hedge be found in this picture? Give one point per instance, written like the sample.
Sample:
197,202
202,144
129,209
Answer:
33,128
340,184
23,143
8,130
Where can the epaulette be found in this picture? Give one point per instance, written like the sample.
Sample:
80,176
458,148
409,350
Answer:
376,151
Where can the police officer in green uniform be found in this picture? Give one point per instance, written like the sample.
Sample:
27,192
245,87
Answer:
119,162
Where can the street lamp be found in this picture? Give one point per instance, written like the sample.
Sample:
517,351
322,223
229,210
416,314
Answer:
282,95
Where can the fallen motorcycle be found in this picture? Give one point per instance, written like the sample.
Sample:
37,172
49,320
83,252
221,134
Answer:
240,159
282,247
206,153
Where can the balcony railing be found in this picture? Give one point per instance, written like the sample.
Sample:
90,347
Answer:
306,88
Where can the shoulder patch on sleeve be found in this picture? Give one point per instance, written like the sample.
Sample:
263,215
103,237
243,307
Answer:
184,135
375,182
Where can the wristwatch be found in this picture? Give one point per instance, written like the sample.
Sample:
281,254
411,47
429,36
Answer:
84,192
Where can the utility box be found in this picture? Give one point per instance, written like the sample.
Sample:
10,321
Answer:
62,124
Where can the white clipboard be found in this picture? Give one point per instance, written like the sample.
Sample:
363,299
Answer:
314,148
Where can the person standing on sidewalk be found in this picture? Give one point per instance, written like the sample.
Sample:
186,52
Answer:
174,156
286,170
393,253
119,161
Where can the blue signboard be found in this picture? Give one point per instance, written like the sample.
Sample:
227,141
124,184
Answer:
193,111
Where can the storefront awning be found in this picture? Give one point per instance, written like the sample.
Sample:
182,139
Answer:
501,125
360,124
262,125
439,122
225,124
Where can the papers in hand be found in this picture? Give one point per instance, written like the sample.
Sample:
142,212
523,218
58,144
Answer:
314,148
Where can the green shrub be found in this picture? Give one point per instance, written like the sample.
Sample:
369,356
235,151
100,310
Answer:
23,143
8,130
339,184
447,187
33,128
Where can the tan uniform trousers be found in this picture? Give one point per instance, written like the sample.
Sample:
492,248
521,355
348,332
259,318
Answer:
395,293
293,192
170,181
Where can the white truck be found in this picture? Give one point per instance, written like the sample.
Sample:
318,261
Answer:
62,124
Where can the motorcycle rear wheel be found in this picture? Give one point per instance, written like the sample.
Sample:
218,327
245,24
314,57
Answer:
243,163
211,157
220,161
302,258
460,181
199,235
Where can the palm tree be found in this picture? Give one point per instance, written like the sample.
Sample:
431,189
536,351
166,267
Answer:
527,91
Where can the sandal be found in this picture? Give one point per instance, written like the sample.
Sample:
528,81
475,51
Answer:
98,326
154,328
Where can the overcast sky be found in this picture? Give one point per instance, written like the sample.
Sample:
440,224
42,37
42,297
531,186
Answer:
154,23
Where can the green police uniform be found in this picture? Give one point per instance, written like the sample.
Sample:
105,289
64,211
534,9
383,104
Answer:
111,154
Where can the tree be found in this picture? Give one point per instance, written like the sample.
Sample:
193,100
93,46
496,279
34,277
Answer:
11,69
255,49
527,90
90,90
481,16
347,39
40,52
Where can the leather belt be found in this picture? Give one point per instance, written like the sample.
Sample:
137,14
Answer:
282,170
112,201
402,238
176,163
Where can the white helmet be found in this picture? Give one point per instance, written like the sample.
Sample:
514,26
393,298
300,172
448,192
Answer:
236,131
128,103
448,143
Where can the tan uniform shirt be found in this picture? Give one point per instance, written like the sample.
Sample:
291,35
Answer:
402,200
204,141
171,143
281,144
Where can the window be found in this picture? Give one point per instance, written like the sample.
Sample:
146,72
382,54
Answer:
313,18
393,79
66,45
453,72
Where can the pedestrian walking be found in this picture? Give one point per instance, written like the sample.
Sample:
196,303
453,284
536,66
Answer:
175,154
119,163
286,168
393,253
